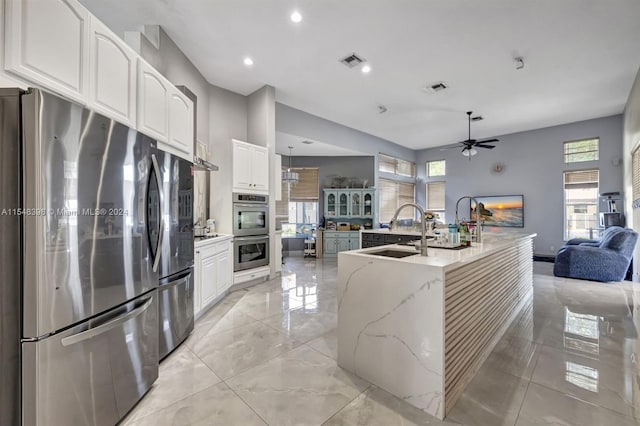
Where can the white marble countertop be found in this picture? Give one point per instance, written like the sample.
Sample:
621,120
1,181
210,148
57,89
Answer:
216,239
445,258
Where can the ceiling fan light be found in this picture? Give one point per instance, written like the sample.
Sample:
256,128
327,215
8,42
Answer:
469,152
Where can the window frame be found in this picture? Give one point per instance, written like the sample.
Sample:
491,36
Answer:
396,166
567,155
566,231
443,211
444,173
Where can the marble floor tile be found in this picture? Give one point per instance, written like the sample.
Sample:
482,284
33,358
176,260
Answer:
375,407
220,318
542,372
262,305
543,406
300,387
230,352
492,398
514,355
216,405
181,374
326,344
587,379
304,324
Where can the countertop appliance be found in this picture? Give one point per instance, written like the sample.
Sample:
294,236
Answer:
175,292
250,215
80,235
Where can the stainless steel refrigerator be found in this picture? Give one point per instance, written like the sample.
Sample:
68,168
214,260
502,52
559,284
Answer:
175,293
80,231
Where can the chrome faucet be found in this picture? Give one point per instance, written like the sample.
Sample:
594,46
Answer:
478,216
423,240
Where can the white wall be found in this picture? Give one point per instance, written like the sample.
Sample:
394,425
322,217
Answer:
533,166
631,142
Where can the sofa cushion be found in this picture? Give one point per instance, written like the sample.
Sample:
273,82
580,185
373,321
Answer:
622,242
608,234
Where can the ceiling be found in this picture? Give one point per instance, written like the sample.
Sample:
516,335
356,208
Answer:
315,148
581,58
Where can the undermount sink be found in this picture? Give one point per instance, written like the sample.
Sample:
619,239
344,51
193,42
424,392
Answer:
398,254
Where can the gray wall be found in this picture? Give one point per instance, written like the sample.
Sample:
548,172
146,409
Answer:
228,112
533,166
295,122
329,167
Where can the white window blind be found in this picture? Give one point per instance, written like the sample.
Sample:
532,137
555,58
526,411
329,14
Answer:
582,150
635,173
392,195
435,196
396,166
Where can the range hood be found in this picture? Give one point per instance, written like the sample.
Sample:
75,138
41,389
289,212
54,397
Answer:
198,163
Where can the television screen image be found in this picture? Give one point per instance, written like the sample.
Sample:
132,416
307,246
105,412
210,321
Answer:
500,210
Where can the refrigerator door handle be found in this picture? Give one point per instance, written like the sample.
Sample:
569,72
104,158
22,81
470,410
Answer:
103,328
156,260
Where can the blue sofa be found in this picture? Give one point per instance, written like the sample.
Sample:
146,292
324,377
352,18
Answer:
606,259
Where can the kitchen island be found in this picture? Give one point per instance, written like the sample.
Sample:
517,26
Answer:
420,327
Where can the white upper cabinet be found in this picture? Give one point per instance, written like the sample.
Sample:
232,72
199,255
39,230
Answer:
181,122
242,153
46,42
250,168
260,169
153,108
112,75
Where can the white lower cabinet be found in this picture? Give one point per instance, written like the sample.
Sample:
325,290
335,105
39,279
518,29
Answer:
213,271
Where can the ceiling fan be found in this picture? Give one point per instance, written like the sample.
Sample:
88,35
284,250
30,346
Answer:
469,146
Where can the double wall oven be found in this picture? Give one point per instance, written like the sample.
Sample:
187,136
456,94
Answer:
251,231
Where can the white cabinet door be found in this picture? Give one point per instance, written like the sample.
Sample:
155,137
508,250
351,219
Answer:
112,75
46,42
242,163
209,275
260,169
224,272
153,110
181,122
197,279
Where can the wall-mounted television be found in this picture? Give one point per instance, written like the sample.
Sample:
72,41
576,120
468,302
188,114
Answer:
500,210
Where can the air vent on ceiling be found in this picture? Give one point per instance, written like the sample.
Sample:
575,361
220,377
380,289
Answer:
307,142
437,87
352,60
477,118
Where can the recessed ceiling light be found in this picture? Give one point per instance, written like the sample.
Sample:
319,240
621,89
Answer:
248,61
366,69
296,17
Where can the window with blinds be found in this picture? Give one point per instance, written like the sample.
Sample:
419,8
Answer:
306,190
392,195
582,150
436,199
635,173
580,203
396,166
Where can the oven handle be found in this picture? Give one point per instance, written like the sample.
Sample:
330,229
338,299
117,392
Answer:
266,237
257,206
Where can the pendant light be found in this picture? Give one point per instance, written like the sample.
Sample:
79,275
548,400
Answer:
289,176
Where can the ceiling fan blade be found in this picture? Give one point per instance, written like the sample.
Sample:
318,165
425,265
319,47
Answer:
489,141
484,146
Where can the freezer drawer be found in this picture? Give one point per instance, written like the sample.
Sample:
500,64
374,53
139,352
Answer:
175,295
94,373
